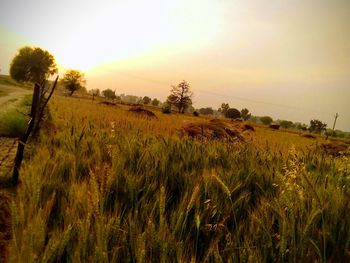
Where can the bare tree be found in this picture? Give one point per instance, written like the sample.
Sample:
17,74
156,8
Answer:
181,96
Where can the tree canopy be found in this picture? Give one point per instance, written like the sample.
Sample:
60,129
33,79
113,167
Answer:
181,96
233,113
32,65
73,80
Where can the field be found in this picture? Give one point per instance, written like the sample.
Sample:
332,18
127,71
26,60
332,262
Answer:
102,184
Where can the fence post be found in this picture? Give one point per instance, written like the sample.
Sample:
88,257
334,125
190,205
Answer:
25,136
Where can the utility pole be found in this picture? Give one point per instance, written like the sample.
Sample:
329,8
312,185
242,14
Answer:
335,120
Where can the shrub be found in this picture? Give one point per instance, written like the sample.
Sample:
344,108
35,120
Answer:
12,123
195,113
166,108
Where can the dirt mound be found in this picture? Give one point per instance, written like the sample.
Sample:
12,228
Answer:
336,148
308,135
143,112
108,103
214,129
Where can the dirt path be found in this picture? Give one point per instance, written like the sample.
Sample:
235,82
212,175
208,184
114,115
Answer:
15,94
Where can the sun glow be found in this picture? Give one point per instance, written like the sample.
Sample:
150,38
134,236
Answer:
118,31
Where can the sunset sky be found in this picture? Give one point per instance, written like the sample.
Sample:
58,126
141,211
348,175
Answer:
288,59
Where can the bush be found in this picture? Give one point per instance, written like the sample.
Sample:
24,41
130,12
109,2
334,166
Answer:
166,108
12,123
195,113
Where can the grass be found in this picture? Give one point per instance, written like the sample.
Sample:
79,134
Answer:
103,185
3,93
13,121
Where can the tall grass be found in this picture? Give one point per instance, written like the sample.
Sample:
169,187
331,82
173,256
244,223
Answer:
105,186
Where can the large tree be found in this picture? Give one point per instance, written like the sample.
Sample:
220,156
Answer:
317,126
32,65
181,96
73,80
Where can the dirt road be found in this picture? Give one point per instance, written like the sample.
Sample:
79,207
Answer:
13,96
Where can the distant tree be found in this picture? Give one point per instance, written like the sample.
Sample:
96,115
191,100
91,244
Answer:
245,114
155,102
206,111
300,126
73,80
317,126
181,96
267,120
224,108
233,113
32,65
286,124
95,92
146,100
110,94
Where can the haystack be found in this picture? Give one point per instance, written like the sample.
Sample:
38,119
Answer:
143,112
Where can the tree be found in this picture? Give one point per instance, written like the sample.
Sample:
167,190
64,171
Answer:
155,102
286,124
233,113
110,94
32,65
206,111
245,114
267,120
317,126
224,108
73,80
146,100
181,96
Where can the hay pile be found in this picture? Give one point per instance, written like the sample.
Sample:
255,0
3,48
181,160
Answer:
214,129
143,112
336,149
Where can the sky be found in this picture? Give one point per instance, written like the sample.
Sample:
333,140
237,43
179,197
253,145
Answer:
288,59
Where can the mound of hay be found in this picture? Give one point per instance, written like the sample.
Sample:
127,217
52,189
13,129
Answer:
214,129
247,127
308,135
336,149
108,103
275,126
143,112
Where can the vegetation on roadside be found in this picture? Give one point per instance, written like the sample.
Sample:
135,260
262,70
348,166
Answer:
13,121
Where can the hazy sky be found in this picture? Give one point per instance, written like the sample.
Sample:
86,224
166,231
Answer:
289,59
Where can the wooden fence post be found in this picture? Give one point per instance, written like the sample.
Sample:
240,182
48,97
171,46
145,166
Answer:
25,136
